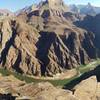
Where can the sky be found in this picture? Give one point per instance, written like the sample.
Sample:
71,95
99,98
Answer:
14,5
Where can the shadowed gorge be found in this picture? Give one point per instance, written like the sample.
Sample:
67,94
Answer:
43,45
8,44
17,63
91,24
73,83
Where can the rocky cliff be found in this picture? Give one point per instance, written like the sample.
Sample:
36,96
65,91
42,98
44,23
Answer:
45,41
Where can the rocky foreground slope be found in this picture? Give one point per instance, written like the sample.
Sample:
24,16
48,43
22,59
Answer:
44,41
86,86
14,89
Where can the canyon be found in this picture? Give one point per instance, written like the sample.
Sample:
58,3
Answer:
45,40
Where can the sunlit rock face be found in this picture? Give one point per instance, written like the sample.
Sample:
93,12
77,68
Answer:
45,41
55,2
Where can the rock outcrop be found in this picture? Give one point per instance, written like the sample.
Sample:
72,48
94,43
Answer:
44,90
87,89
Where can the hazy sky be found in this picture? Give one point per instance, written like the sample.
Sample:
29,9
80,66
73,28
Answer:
14,5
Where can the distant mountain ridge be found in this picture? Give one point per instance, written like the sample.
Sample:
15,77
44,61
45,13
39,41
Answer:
82,9
4,12
85,9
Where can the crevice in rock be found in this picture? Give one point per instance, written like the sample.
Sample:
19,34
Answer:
88,46
69,42
8,44
82,59
46,14
58,53
43,46
34,13
17,63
